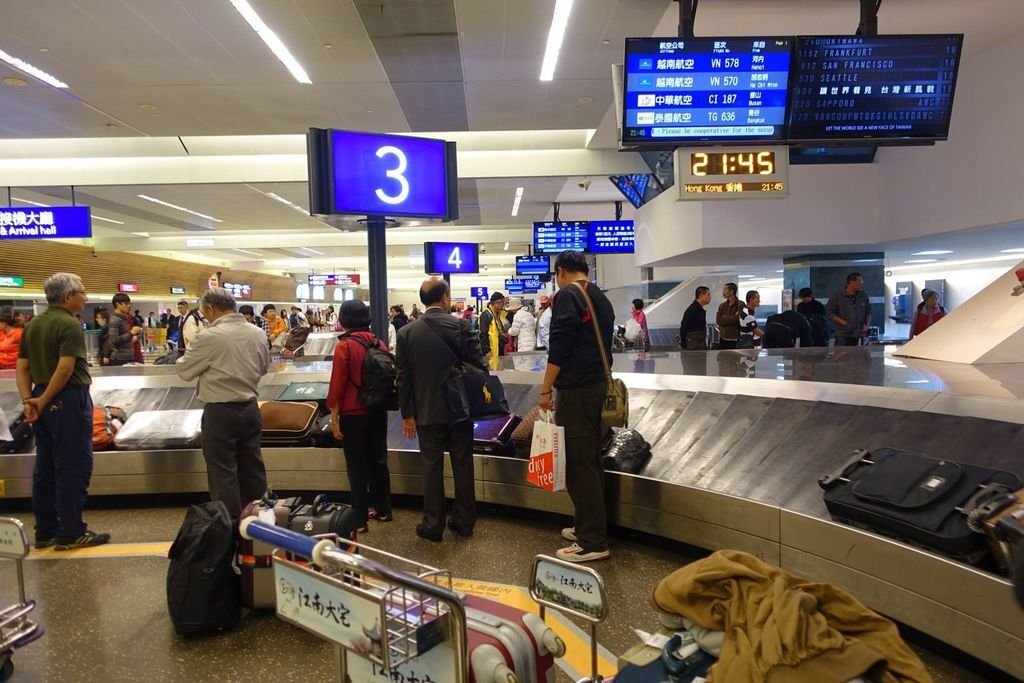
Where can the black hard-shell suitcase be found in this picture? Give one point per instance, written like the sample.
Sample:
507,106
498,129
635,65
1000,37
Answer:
920,500
493,435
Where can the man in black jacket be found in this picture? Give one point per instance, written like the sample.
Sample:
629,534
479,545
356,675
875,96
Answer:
427,350
693,330
575,368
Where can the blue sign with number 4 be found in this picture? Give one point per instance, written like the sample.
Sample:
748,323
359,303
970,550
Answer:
391,175
451,257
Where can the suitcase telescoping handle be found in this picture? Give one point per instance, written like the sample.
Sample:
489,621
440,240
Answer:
324,553
842,473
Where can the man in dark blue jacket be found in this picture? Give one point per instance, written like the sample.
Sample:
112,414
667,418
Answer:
576,369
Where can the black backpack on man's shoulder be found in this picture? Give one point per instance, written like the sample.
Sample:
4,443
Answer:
379,390
203,589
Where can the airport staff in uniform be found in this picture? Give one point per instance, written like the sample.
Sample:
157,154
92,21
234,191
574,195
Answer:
228,359
427,350
53,380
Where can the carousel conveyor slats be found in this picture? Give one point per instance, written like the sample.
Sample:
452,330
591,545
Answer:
735,470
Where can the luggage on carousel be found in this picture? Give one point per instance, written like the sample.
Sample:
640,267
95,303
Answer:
493,435
106,423
21,438
202,586
522,437
306,391
150,430
914,498
628,452
288,423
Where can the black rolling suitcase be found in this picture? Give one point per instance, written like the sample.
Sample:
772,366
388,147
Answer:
916,499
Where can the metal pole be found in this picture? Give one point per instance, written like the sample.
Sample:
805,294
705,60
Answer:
377,247
593,653
340,664
687,15
21,581
869,18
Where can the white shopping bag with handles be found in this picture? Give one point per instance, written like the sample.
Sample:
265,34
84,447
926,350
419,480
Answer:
547,454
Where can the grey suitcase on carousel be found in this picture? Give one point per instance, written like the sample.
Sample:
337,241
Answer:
154,430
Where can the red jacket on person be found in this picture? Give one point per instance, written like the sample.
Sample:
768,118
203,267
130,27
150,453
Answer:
9,343
347,373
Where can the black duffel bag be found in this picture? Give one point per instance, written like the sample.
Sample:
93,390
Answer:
324,517
627,452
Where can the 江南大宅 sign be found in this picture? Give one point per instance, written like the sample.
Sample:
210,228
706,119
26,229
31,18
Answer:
128,287
12,281
54,222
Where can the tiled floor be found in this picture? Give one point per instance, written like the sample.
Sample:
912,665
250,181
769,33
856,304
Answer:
107,620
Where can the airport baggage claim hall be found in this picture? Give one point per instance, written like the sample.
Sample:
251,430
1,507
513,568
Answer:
801,227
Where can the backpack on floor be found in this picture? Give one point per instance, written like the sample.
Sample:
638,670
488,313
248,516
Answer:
203,589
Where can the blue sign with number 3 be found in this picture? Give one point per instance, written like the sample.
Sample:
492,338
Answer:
390,175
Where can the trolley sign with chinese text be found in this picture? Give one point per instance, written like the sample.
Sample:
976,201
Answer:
54,222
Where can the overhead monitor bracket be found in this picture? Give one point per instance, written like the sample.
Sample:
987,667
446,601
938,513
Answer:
554,213
687,15
618,211
869,18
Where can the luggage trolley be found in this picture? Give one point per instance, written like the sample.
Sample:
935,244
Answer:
403,624
16,629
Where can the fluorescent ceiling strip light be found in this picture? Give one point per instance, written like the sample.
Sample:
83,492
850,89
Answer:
922,260
933,252
246,251
179,208
33,71
516,202
285,201
1012,251
312,251
271,39
962,262
199,243
109,220
559,22
141,234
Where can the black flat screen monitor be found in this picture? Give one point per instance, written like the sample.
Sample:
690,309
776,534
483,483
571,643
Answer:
705,90
612,237
886,88
633,187
554,237
533,265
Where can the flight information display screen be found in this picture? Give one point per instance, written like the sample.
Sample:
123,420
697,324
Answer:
533,265
679,91
554,237
852,87
612,237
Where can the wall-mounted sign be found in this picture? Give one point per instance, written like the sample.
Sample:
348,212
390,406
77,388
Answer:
479,292
381,175
54,222
12,281
239,290
337,279
127,287
177,290
451,257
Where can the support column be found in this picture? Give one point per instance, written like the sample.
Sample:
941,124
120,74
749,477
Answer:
377,247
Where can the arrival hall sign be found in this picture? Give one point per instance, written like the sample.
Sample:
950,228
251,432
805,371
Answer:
54,222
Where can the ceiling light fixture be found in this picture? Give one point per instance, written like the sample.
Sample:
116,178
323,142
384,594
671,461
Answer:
284,201
517,201
780,271
179,208
247,252
34,71
559,22
28,201
141,234
199,243
272,41
108,220
866,260
933,252
312,251
922,260
506,246
1012,251
743,277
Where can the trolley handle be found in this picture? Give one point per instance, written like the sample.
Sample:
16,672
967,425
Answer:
253,529
842,472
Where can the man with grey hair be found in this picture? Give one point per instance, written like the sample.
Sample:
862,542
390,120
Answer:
228,359
53,380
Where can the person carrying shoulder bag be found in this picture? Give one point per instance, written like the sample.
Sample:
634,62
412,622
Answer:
578,367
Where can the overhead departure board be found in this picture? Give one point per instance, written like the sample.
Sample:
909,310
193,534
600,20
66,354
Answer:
612,237
883,87
554,237
719,90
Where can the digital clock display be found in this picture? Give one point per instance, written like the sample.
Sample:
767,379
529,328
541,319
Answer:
725,163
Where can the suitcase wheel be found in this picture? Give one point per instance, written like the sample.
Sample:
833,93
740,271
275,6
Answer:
489,666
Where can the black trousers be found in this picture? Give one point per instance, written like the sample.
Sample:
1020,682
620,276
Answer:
578,411
458,441
60,479
365,440
231,448
847,341
727,343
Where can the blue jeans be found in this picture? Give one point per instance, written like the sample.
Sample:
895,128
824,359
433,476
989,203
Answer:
60,480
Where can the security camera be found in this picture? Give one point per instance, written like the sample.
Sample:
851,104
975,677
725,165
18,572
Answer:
483,249
585,184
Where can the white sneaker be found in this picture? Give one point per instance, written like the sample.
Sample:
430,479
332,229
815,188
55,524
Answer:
569,533
575,553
